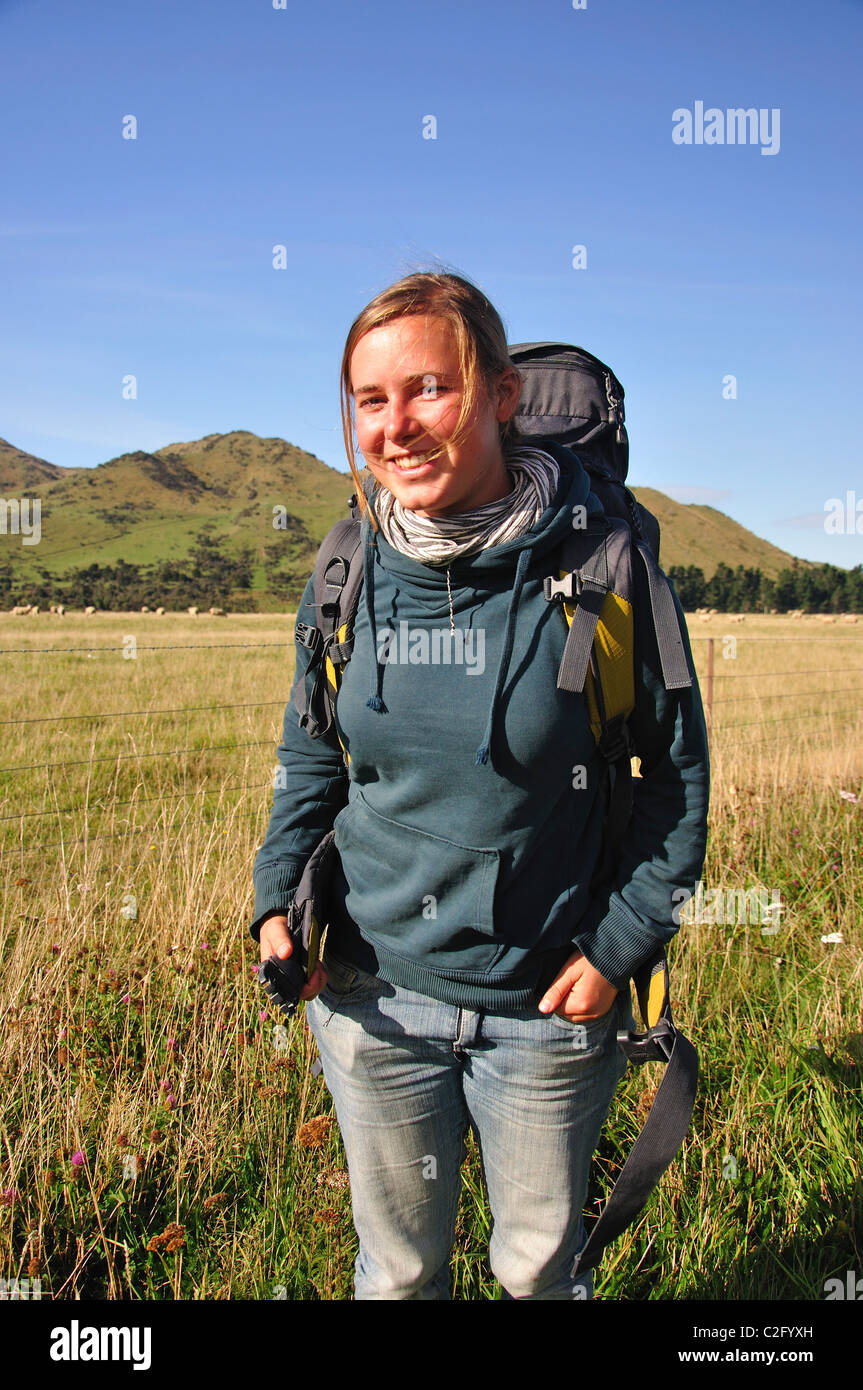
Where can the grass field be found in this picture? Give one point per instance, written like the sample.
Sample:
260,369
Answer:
162,1135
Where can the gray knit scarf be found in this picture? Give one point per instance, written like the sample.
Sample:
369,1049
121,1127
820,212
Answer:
439,540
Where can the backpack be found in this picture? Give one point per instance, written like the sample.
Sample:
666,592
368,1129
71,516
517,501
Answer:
568,397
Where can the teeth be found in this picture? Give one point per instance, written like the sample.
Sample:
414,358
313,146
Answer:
412,461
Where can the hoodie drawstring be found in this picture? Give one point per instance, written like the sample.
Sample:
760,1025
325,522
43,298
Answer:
376,701
503,665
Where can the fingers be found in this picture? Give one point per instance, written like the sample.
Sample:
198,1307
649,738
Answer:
562,984
585,1005
275,939
554,996
315,983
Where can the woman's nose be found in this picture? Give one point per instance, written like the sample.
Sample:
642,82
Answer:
398,423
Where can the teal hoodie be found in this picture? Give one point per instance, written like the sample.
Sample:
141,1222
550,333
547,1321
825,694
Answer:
471,822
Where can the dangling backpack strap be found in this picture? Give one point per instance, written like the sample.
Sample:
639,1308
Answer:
675,672
669,1116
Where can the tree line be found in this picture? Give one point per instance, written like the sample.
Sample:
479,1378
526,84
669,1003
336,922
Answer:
207,576
812,588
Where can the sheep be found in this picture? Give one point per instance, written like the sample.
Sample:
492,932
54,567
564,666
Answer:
34,611
826,617
192,612
20,610
145,609
217,612
88,610
159,612
849,617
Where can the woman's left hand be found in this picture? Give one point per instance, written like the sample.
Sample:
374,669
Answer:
578,992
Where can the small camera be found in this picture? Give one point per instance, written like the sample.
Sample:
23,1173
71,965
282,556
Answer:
283,981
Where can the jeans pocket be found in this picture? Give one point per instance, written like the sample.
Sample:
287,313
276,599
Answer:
591,1035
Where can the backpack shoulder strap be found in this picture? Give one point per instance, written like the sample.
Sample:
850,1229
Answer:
599,656
596,590
336,582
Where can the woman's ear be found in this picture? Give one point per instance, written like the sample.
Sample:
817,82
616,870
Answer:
508,392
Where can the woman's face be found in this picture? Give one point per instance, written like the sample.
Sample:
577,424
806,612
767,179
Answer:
408,392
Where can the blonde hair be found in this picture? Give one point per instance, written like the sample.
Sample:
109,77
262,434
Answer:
479,334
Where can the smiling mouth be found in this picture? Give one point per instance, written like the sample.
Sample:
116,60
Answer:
406,463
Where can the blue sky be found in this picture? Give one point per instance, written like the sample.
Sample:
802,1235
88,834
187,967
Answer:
303,127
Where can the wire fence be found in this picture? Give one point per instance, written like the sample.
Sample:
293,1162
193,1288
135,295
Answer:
834,697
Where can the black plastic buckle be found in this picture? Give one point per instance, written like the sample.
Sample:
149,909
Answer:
655,1045
560,588
308,636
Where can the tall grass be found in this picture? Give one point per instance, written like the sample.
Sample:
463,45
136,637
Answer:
163,1135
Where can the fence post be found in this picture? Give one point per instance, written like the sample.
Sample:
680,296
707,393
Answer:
709,703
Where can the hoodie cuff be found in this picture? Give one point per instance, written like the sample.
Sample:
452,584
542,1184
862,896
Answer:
615,941
275,885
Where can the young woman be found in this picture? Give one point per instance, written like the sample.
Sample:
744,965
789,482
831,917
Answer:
470,977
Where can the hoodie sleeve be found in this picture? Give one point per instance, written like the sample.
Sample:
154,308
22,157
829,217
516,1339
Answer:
311,787
663,849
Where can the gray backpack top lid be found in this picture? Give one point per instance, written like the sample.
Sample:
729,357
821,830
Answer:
570,396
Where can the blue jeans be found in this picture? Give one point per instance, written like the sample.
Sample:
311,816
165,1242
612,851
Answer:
409,1075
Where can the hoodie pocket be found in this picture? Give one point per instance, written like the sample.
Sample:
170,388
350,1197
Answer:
419,895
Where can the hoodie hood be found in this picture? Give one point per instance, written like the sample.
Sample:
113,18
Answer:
492,568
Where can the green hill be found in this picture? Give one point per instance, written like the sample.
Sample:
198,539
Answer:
698,535
146,509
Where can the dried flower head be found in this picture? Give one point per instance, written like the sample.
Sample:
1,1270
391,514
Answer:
314,1133
328,1216
216,1199
173,1238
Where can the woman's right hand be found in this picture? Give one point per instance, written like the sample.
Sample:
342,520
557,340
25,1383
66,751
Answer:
275,940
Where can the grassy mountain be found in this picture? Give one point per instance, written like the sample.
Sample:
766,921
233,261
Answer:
150,509
698,535
146,508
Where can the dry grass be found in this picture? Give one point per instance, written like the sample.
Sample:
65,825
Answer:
135,1039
